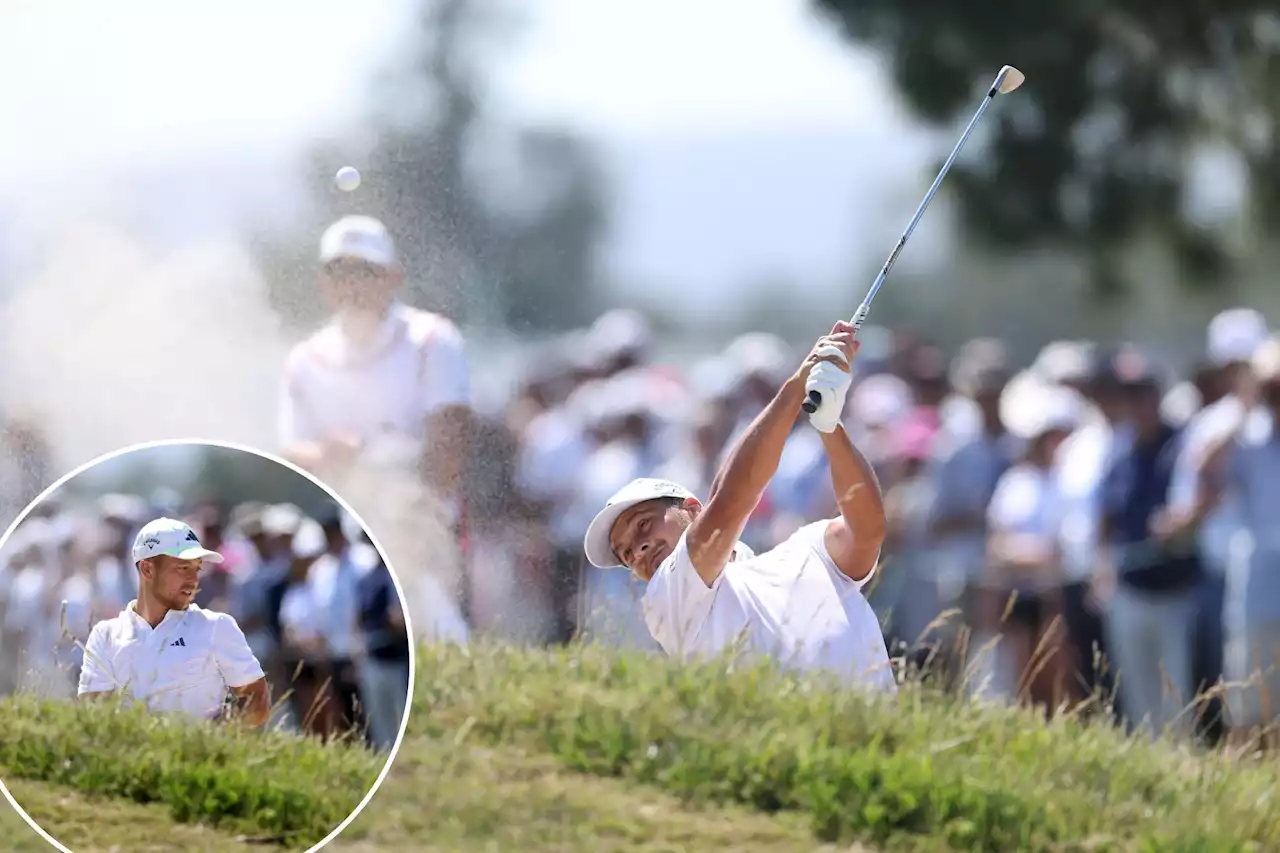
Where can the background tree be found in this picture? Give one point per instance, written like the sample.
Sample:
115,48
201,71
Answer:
514,246
1122,97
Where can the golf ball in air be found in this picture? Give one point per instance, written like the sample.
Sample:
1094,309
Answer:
347,178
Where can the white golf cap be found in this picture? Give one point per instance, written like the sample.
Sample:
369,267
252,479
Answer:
596,544
1234,335
171,538
360,238
309,540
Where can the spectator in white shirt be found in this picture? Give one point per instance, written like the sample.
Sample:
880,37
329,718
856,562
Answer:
1248,464
1022,581
799,605
377,403
168,652
964,479
1219,530
1082,465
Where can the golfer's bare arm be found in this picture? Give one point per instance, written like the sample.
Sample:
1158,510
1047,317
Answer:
253,703
855,538
741,482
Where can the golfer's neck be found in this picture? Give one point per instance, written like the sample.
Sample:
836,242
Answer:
151,610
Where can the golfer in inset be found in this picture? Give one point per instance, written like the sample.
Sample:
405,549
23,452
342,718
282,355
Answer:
166,651
799,604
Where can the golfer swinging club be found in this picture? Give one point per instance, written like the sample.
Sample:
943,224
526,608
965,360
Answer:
799,604
166,651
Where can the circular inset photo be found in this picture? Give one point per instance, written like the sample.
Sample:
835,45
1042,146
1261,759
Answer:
201,647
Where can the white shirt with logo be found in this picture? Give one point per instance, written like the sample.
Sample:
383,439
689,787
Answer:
186,664
791,604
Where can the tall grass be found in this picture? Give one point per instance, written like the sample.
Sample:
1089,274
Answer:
922,771
270,783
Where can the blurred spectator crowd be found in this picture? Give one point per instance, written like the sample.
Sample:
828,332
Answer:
314,599
1088,525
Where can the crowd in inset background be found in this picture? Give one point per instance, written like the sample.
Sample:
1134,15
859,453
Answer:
317,605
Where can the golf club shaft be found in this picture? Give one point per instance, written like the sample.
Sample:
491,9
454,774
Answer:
860,316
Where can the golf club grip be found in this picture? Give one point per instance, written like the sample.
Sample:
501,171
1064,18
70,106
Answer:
814,400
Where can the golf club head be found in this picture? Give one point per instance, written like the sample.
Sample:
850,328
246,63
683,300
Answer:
1008,79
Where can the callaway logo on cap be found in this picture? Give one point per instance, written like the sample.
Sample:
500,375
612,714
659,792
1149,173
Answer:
172,538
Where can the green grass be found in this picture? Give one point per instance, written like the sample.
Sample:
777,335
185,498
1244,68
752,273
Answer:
249,782
597,750
918,773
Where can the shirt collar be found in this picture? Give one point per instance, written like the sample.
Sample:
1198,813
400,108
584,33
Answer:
170,617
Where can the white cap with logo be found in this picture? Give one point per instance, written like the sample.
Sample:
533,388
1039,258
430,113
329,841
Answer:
596,544
169,537
360,238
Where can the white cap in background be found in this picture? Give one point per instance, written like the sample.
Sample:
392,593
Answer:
881,399
309,540
1064,361
1030,406
360,238
596,544
620,332
281,520
1234,335
172,538
761,354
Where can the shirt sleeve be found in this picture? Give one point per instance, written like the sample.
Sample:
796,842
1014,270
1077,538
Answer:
815,536
677,602
295,422
235,660
445,377
95,672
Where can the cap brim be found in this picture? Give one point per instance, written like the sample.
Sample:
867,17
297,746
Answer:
199,554
384,263
596,543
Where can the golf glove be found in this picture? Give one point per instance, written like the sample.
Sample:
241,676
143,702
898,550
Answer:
832,382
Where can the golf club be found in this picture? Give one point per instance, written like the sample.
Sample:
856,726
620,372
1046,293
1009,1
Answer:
1006,81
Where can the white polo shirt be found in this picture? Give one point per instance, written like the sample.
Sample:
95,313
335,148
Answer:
792,604
415,366
186,664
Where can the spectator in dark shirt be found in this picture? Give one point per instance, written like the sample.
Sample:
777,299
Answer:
383,669
1150,579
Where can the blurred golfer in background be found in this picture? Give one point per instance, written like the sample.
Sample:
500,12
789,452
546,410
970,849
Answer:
165,650
377,403
801,603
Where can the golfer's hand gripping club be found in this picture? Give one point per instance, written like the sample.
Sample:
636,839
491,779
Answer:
820,404
830,382
1006,81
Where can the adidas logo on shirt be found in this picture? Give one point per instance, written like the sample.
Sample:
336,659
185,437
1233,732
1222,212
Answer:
178,642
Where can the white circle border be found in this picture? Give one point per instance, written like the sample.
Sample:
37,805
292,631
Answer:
270,457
